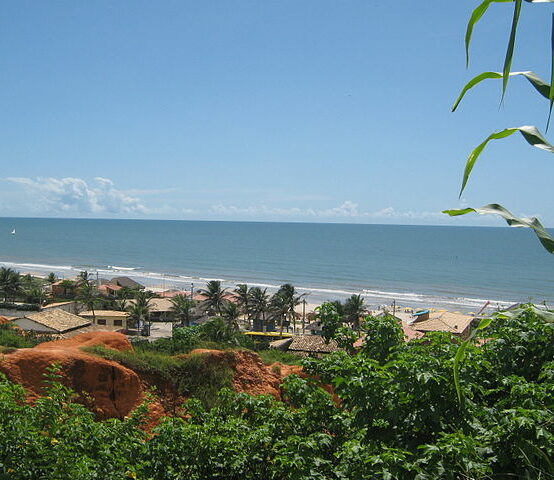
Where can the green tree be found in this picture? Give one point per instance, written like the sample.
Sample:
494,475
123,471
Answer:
182,308
51,278
381,336
35,294
242,294
259,307
291,299
10,283
231,314
87,294
278,310
354,309
139,309
215,297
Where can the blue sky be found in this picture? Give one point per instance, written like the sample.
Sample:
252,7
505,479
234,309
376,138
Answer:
272,111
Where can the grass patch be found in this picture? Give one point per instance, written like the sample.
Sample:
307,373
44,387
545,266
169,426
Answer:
274,355
192,376
11,337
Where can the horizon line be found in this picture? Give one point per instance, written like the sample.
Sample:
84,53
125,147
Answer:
258,221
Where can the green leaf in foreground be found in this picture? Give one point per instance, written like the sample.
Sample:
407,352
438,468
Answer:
540,85
475,17
510,49
529,132
544,237
551,90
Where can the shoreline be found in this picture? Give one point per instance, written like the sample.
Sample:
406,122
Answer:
314,295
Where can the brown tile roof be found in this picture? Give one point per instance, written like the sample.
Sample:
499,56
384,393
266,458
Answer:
104,313
57,304
312,344
158,304
58,320
174,293
444,322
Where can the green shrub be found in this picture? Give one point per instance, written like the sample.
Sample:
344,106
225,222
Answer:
192,376
11,337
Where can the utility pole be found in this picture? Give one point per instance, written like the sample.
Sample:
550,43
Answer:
192,291
303,316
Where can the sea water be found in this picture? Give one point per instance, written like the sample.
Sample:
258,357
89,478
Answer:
458,268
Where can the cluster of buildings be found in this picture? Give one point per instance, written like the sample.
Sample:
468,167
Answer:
65,319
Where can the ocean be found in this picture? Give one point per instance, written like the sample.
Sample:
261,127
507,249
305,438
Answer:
458,268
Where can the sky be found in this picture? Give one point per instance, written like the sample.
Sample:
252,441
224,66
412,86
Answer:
305,111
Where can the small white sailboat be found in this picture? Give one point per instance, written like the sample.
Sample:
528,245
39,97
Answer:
13,231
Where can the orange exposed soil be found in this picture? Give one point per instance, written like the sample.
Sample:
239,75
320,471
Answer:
112,390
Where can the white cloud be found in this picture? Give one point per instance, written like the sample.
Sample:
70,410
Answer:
347,209
392,213
66,195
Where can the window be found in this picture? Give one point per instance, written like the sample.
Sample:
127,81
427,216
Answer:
101,321
118,323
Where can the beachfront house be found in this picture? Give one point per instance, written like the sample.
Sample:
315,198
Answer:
418,324
160,309
109,318
51,321
126,282
109,290
64,288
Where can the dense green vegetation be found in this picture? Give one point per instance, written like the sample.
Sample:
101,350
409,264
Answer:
399,418
191,376
15,287
12,338
272,356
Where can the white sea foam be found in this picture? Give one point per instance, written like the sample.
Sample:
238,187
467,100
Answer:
316,294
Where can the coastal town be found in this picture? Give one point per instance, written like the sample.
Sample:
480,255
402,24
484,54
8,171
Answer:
63,308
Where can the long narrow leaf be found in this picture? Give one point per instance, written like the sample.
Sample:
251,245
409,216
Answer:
460,354
530,133
540,85
544,237
475,17
510,49
551,92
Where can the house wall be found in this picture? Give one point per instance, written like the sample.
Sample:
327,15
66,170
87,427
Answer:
108,321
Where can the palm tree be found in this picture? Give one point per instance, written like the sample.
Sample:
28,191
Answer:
259,306
243,297
231,314
139,309
291,299
10,283
182,309
51,278
83,278
215,297
88,295
279,310
35,294
354,308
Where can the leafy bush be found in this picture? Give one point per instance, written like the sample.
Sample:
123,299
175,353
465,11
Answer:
397,419
192,375
11,337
